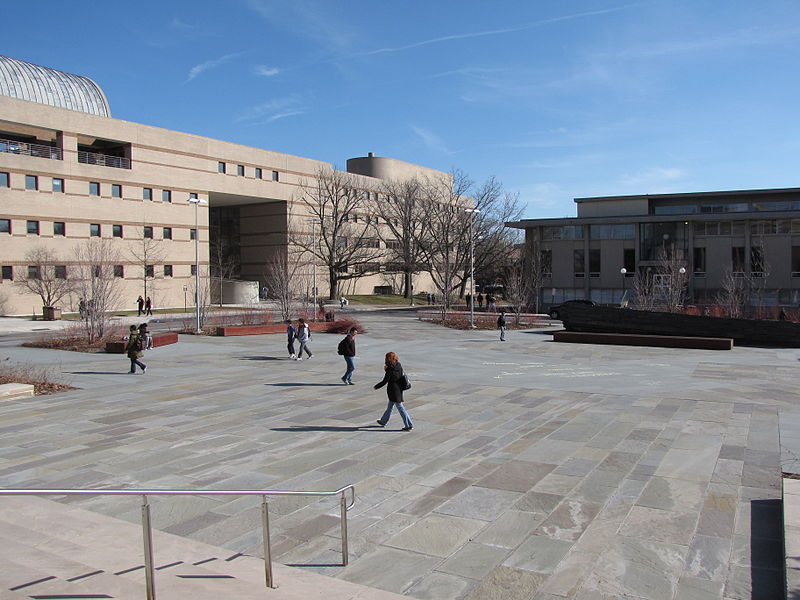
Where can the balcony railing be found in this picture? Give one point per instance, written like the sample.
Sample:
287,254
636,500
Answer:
28,149
104,160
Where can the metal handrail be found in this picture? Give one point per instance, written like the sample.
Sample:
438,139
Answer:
147,529
28,149
104,160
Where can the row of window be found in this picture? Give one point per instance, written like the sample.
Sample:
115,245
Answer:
700,228
95,187
258,173
732,207
95,229
60,271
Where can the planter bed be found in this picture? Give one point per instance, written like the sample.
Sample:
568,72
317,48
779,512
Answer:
159,339
263,329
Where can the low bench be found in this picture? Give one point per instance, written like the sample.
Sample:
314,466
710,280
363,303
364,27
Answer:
159,339
9,391
633,339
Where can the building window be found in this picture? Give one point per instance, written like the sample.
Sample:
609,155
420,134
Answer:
629,261
699,260
119,271
58,184
193,234
8,273
33,227
94,230
795,261
31,182
59,228
33,272
116,190
166,195
147,233
167,233
594,262
220,167
94,188
167,270
612,232
193,269
147,193
240,170
116,231
5,225
567,232
192,196
757,265
546,263
578,263
259,173
60,271
5,180
149,271
274,176
737,261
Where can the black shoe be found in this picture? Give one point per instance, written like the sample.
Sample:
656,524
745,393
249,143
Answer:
381,424
407,428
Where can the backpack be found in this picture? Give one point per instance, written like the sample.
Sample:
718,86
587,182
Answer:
501,321
137,343
342,347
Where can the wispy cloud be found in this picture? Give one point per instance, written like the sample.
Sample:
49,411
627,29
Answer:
270,111
211,64
265,71
313,20
653,179
491,32
431,140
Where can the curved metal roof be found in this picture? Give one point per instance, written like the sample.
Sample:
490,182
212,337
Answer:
27,81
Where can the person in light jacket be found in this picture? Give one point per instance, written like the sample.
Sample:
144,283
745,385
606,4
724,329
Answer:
393,379
303,336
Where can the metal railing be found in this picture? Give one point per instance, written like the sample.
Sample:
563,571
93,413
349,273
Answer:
28,149
104,160
147,529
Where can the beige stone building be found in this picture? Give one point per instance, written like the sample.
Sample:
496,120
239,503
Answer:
69,172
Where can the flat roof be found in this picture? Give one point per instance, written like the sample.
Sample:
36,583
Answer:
681,195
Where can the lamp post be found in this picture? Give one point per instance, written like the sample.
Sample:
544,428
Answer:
196,202
314,266
471,212
623,271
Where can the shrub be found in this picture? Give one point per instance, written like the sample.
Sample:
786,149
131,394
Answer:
343,325
73,338
43,379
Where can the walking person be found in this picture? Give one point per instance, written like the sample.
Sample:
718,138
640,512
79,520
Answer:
134,350
501,323
480,301
395,381
140,304
347,348
303,336
291,333
147,337
148,307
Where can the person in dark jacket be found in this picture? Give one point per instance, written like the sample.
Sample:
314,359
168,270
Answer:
501,324
134,350
348,348
393,379
291,332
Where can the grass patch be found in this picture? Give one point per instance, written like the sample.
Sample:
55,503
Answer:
374,299
45,380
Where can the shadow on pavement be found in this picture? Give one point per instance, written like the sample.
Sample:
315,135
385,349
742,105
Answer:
306,384
98,372
331,428
263,358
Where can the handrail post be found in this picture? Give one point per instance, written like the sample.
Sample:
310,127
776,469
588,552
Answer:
266,541
147,536
343,507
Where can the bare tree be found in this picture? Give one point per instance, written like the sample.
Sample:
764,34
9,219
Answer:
284,273
223,262
46,276
401,211
521,281
343,236
733,295
98,284
202,298
148,253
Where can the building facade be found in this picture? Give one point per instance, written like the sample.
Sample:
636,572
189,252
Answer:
69,173
750,235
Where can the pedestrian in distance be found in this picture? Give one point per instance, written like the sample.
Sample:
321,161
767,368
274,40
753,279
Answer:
135,350
468,298
147,337
148,307
303,336
501,324
396,383
291,333
140,304
347,348
480,301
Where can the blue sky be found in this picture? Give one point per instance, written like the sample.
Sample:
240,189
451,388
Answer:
557,99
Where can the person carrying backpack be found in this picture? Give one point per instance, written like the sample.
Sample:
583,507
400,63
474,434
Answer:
135,350
303,336
347,348
501,323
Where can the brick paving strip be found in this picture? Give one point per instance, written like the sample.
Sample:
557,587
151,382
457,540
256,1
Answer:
534,471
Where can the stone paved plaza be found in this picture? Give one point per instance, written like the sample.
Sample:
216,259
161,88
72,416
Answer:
535,470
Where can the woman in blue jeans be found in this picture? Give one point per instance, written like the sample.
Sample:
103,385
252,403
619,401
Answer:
392,379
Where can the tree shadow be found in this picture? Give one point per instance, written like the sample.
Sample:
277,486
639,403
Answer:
299,428
314,565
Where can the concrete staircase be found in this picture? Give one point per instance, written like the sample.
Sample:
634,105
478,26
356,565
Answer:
51,551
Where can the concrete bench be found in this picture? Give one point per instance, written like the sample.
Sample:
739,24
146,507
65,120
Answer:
9,391
159,339
632,339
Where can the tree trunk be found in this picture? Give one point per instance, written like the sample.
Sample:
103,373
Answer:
408,290
333,282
